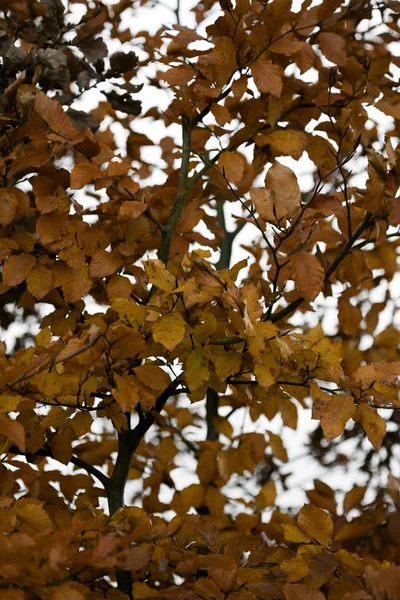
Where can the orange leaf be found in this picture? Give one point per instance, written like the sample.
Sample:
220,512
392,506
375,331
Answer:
308,274
84,173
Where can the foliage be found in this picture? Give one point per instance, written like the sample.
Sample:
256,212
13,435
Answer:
181,341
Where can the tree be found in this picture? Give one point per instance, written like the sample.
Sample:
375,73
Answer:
134,340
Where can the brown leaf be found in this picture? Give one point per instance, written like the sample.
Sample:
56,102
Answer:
282,184
83,174
298,591
308,274
223,570
104,263
17,267
353,497
335,414
56,118
333,46
267,76
316,523
8,206
373,424
13,430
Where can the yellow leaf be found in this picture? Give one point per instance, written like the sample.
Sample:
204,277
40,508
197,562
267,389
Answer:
9,403
372,423
31,513
316,523
293,534
169,330
330,351
196,371
160,276
227,364
308,274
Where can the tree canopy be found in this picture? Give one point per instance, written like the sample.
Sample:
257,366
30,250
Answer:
175,292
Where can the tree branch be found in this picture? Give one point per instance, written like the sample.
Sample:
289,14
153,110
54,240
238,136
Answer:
82,464
169,228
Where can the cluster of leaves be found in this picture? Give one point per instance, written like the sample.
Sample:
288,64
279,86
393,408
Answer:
182,344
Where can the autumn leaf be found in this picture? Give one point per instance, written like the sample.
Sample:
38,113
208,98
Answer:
17,267
335,414
308,274
373,424
333,47
56,118
298,591
197,372
39,281
169,330
83,174
353,497
8,206
284,190
316,523
267,76
13,431
104,263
